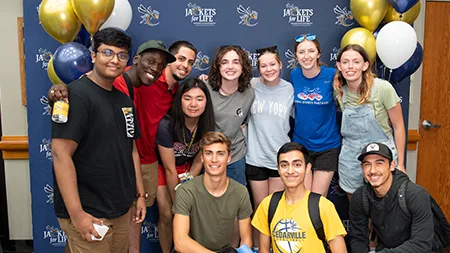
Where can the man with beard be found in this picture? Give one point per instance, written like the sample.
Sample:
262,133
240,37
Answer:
399,211
152,103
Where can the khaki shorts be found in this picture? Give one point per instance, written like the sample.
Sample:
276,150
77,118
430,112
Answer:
150,180
115,240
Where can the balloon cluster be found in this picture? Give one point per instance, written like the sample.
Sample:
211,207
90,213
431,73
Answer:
73,23
387,32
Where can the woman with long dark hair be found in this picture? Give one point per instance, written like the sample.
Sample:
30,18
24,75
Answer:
178,140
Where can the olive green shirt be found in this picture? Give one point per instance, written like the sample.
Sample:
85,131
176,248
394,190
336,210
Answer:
212,218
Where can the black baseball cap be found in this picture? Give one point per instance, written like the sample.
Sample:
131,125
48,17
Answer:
376,148
158,45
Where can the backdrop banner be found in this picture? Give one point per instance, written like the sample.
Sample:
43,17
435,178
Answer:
207,24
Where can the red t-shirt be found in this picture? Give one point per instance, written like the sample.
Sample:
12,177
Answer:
152,103
121,85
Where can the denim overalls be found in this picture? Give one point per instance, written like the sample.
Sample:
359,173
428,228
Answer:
359,128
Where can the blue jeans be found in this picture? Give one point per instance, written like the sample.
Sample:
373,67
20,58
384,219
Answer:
236,171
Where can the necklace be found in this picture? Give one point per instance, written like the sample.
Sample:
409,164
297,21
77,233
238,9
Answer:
226,93
188,146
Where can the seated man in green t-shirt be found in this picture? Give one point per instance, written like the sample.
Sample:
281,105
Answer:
291,228
205,207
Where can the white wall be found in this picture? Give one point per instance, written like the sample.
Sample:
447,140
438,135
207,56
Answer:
14,122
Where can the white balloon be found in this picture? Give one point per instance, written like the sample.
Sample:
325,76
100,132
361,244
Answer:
396,43
120,17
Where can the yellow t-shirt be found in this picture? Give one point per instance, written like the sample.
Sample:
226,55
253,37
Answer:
292,230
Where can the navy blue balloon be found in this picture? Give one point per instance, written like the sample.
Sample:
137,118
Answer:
375,33
402,6
409,67
71,60
83,37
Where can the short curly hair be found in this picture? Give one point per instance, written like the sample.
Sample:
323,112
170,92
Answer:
214,76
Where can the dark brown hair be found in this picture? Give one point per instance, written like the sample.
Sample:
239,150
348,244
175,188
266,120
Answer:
214,76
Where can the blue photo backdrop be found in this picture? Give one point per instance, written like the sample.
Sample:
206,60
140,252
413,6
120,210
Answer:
207,24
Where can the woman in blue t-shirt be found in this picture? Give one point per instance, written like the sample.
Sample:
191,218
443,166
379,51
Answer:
178,140
315,113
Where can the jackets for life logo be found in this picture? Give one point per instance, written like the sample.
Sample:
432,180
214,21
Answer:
344,17
248,16
291,59
149,16
150,230
48,189
46,148
201,62
43,56
297,16
201,16
56,236
253,57
46,106
333,54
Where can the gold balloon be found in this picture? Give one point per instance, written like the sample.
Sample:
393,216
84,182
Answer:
369,13
52,74
408,17
93,13
362,37
59,20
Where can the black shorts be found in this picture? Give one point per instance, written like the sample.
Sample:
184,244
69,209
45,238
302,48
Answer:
259,173
325,160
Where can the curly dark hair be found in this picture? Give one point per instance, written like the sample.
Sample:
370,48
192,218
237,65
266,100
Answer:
214,76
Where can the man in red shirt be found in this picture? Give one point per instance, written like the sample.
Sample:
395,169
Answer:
152,101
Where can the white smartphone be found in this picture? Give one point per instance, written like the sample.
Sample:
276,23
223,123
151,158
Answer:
101,230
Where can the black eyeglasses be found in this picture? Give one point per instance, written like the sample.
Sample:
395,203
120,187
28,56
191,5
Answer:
272,49
302,37
109,54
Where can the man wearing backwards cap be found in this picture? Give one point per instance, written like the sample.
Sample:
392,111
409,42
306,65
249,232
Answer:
152,101
395,232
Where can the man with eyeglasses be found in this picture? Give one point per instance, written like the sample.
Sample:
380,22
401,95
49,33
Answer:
96,164
152,103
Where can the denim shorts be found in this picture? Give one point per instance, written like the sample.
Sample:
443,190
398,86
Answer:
236,171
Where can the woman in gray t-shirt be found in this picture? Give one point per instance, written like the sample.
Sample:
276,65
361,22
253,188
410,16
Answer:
268,127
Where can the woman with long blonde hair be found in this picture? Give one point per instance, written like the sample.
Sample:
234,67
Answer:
369,106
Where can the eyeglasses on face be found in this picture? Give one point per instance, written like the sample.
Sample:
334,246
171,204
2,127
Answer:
272,49
109,54
302,37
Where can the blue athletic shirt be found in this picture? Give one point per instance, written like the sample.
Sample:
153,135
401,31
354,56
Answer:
315,110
